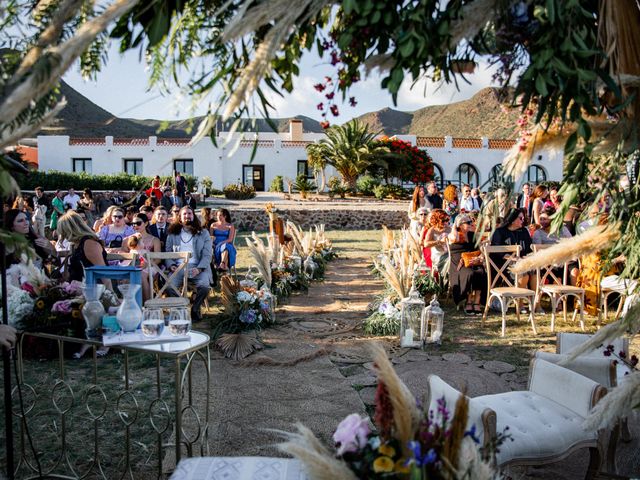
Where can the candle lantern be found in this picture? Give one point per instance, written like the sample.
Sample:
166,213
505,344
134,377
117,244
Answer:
432,323
411,309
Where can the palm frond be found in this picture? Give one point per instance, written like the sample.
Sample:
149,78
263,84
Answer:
238,345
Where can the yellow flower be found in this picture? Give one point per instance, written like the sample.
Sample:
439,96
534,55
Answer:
76,314
40,304
401,466
387,450
383,464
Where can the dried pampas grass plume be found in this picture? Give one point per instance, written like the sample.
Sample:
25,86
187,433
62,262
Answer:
318,461
593,240
405,412
229,288
618,403
262,256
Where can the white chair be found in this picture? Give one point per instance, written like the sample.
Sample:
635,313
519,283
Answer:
157,299
599,368
558,290
510,292
545,421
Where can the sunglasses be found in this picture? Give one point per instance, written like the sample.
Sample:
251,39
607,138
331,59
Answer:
137,223
467,223
117,216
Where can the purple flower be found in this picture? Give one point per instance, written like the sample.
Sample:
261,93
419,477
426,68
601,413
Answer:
428,458
72,288
248,316
352,434
62,306
442,409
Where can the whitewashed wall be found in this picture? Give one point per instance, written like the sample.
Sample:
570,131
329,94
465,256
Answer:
276,152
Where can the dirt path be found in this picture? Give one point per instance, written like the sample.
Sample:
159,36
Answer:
252,398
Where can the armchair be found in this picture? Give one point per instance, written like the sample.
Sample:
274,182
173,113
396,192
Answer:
545,421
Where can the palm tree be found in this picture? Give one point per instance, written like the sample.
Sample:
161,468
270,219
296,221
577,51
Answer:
349,148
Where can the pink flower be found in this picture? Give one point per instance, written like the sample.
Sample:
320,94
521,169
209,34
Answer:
62,306
73,288
351,435
319,87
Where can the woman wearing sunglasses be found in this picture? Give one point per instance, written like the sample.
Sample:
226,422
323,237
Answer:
142,242
113,235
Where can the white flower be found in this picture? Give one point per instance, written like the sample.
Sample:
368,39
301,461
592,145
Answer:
248,284
19,305
243,297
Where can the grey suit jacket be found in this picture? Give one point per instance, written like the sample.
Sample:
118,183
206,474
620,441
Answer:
202,250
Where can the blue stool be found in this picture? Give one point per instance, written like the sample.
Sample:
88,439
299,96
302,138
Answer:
133,274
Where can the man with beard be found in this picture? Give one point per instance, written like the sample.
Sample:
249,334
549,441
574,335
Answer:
187,235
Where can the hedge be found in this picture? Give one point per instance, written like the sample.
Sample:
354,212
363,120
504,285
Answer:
54,180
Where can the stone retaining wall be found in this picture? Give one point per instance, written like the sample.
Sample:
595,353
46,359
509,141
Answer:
334,219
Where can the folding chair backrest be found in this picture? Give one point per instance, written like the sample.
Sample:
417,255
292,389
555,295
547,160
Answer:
167,275
500,274
133,257
547,272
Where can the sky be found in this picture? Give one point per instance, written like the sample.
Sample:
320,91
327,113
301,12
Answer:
122,89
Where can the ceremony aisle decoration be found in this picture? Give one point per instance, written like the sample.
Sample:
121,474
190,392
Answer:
247,309
409,442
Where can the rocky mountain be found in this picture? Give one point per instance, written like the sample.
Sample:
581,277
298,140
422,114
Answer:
481,115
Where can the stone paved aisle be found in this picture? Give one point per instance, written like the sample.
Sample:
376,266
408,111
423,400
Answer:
249,402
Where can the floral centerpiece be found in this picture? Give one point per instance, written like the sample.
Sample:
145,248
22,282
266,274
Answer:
247,308
409,442
384,318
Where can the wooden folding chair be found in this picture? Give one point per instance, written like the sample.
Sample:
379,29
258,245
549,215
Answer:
121,256
510,292
165,278
557,290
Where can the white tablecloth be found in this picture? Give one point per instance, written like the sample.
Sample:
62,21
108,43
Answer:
238,468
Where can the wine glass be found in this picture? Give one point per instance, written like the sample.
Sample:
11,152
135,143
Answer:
179,321
152,322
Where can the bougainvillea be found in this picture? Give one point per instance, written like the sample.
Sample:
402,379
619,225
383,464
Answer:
416,165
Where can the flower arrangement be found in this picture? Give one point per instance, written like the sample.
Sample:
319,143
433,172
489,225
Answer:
409,442
246,307
384,319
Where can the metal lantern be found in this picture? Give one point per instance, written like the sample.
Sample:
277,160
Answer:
410,317
432,323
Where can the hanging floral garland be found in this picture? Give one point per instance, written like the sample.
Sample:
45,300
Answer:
418,165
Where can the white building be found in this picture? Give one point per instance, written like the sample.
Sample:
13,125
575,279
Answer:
461,160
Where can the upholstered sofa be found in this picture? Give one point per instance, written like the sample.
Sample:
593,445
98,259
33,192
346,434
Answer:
545,421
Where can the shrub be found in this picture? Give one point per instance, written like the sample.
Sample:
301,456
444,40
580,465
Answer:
336,187
366,184
380,191
239,191
277,184
207,185
53,180
302,184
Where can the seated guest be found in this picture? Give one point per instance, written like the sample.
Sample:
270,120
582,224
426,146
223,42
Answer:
206,217
223,233
417,225
160,227
450,201
176,199
148,211
17,221
435,238
189,201
417,201
112,235
467,276
142,242
175,215
468,203
130,212
542,235
105,219
187,235
513,232
433,199
88,251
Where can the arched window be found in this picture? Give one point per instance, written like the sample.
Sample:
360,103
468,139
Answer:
536,174
438,177
467,173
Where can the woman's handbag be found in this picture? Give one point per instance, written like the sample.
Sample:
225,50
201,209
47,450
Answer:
116,242
471,259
